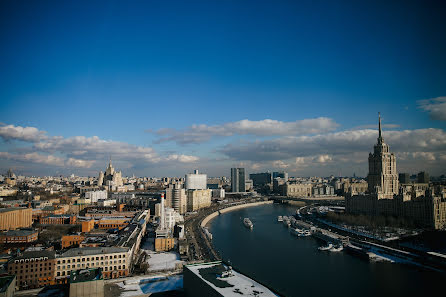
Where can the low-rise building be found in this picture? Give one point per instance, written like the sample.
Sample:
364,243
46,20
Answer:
87,283
14,218
58,220
18,236
72,240
7,285
33,269
298,190
114,261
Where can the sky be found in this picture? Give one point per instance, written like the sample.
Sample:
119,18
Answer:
166,87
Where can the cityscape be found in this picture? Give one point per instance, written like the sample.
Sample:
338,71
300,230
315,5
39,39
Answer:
222,149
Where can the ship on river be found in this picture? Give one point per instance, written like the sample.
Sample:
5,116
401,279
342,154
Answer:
247,222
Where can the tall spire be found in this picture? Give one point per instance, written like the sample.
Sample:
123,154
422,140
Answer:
380,139
109,162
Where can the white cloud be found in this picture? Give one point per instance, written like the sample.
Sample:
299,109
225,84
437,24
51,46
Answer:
339,143
29,134
182,158
436,107
202,133
81,151
46,160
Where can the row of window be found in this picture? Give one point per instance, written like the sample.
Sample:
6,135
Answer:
90,259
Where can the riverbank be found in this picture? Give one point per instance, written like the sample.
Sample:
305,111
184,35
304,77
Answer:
207,219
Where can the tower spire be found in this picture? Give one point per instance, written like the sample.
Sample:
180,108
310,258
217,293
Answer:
380,139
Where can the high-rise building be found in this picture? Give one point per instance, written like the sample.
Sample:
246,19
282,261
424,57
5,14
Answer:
282,174
261,179
423,177
196,181
176,197
111,179
404,178
238,179
383,177
419,203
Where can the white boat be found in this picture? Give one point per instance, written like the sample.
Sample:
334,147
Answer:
337,248
305,233
325,248
296,231
247,222
279,219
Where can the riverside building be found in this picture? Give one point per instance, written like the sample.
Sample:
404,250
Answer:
238,180
423,204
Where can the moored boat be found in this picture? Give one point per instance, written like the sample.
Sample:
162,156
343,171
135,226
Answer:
325,248
279,219
247,222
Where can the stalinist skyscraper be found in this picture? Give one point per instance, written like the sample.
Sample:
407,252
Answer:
383,177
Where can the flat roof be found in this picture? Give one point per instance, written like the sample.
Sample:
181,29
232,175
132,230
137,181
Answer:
11,209
88,251
235,285
85,275
5,282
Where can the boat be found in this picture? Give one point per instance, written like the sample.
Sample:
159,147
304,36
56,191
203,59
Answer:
296,231
248,223
337,248
279,219
305,233
325,248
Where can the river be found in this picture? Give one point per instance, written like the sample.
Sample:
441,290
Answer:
294,267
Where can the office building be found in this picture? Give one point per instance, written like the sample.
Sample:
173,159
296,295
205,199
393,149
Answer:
423,177
404,178
238,180
282,174
261,179
176,197
197,199
15,217
196,181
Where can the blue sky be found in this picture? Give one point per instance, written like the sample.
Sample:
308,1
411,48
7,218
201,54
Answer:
126,72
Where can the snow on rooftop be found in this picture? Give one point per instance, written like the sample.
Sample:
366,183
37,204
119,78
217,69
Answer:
239,284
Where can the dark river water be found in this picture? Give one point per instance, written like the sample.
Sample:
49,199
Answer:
294,267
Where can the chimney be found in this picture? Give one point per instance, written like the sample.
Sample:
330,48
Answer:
162,212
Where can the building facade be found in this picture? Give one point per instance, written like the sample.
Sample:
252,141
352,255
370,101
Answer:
419,203
176,197
197,199
19,236
33,269
297,190
196,181
238,180
114,262
14,218
383,177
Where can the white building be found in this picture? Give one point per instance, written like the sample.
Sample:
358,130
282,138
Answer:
196,181
94,196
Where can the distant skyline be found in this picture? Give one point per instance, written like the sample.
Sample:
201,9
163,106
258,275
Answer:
166,88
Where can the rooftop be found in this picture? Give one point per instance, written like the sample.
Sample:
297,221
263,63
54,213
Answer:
88,251
18,233
228,282
85,275
5,282
11,208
